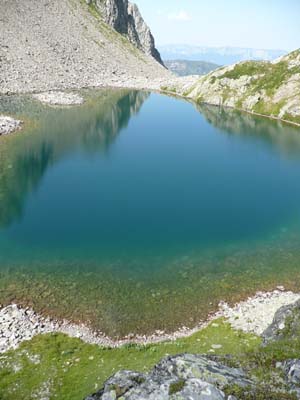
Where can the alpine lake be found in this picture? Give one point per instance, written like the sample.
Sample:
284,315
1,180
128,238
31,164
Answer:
138,212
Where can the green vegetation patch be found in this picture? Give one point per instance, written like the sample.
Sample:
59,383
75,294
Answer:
249,68
292,118
261,364
66,368
69,369
269,76
176,387
169,89
268,108
274,77
261,392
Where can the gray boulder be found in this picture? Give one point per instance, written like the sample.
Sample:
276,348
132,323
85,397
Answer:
190,377
286,324
291,369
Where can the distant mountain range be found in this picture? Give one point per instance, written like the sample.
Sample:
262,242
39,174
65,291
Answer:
217,55
187,67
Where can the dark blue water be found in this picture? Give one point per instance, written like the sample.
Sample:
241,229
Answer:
130,183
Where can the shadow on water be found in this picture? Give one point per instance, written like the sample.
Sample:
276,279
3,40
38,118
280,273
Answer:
56,132
280,136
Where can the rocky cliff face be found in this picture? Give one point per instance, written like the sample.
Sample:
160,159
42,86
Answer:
126,19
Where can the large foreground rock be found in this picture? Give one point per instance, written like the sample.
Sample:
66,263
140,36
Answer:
191,377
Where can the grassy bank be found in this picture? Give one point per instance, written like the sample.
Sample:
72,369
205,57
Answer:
57,367
68,369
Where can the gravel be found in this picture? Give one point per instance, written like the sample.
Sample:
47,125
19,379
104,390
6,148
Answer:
254,315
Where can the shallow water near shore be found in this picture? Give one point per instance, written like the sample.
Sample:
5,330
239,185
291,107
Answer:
137,212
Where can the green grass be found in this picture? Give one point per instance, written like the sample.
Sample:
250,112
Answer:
268,108
290,117
176,387
73,369
70,369
246,68
264,392
271,75
168,89
260,363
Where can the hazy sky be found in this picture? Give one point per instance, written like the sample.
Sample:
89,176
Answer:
271,24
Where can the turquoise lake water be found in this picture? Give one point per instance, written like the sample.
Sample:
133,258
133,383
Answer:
137,212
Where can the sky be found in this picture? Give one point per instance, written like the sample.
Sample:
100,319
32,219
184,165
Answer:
263,24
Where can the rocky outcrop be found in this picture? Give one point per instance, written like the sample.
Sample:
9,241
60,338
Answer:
291,370
266,88
8,125
286,324
181,377
126,19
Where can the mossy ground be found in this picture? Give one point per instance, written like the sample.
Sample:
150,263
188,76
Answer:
260,363
66,368
70,369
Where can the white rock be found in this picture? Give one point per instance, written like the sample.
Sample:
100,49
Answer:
8,125
256,314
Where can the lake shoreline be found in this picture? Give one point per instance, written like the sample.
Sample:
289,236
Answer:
193,101
68,96
252,315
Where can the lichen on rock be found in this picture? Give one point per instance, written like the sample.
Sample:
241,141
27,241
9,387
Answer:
184,376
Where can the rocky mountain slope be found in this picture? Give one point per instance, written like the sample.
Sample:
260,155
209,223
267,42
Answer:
63,44
267,88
